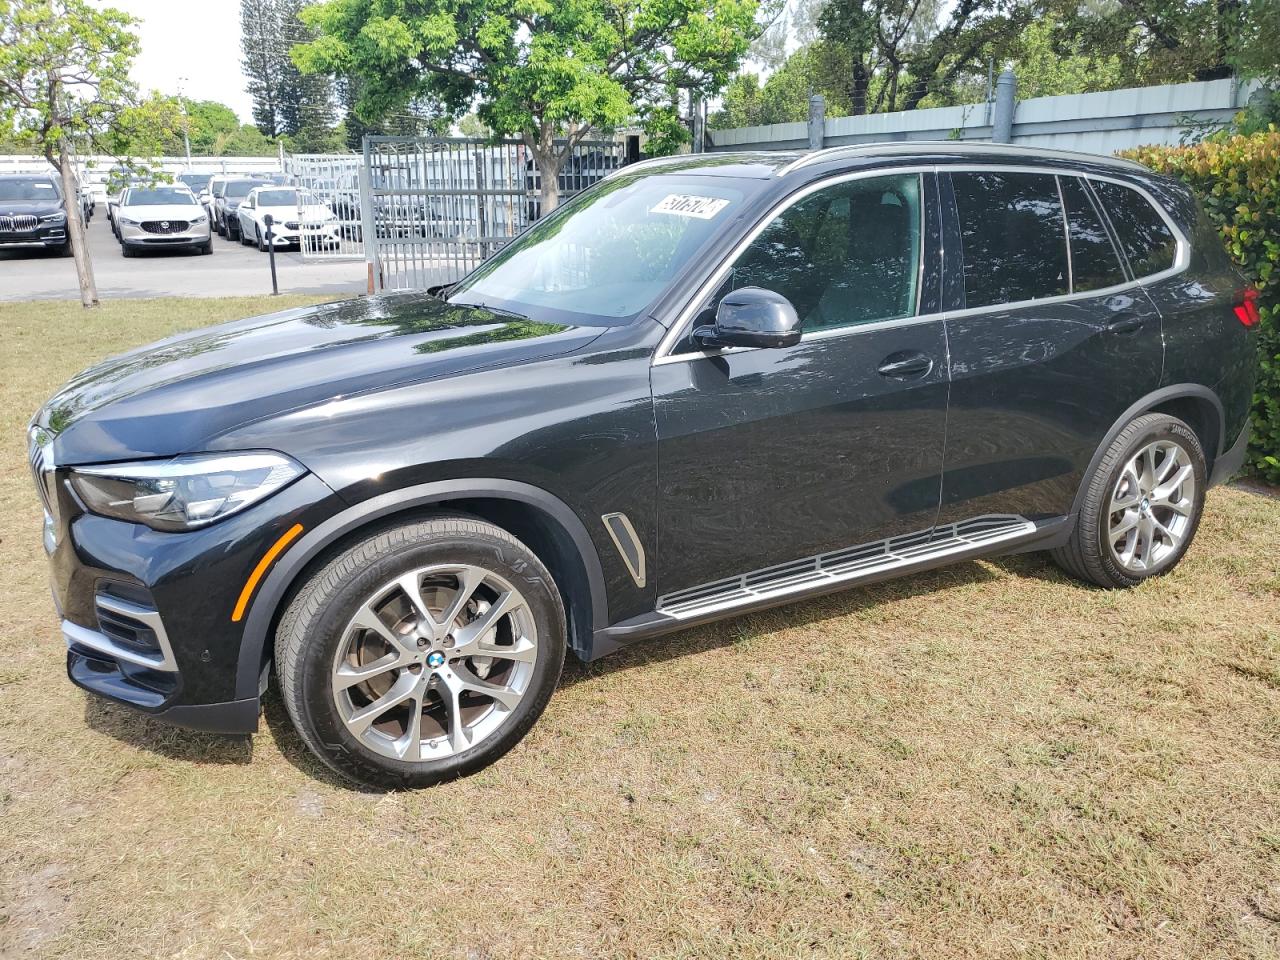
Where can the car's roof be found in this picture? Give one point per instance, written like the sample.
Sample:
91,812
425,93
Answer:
778,163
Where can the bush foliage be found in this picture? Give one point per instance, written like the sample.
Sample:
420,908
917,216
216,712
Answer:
1238,180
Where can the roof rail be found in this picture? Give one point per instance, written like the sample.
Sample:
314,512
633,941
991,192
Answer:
951,146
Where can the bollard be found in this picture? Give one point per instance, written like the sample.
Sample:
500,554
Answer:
271,254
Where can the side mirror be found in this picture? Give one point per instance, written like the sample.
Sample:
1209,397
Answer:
752,317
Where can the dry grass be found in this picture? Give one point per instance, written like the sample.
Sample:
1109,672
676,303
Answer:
985,761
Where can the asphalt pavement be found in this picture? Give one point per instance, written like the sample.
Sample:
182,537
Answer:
232,270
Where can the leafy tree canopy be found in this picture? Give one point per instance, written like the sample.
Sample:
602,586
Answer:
546,70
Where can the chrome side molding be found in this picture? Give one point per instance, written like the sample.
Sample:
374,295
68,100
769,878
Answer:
624,537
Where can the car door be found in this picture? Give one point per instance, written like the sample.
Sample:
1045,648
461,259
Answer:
1050,343
773,455
245,213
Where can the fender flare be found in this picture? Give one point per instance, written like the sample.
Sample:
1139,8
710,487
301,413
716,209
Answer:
1174,391
250,678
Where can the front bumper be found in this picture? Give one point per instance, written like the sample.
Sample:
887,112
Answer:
53,235
197,234
146,615
326,236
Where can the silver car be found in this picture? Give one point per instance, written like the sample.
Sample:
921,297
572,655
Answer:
162,216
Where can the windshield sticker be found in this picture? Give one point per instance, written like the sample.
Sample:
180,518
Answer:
683,205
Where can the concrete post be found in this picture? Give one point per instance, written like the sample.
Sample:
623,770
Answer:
699,125
817,120
1006,99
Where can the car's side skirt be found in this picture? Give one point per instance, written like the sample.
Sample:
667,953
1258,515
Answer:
828,572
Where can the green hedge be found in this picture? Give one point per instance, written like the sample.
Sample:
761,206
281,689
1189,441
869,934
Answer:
1238,180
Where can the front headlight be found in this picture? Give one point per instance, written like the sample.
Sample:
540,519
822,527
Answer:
58,217
126,221
200,219
185,492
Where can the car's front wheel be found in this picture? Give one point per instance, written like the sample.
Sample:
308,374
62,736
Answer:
1141,506
422,652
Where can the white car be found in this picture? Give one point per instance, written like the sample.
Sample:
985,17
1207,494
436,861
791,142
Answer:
162,216
297,216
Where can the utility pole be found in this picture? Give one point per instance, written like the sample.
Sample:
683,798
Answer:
186,122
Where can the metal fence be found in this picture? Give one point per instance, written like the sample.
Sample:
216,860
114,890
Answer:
434,209
333,181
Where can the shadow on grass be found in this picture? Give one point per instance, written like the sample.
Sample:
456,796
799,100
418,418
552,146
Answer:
295,751
154,736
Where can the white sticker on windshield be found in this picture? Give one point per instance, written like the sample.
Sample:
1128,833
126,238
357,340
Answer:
684,205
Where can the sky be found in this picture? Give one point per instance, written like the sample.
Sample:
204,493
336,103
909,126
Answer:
194,44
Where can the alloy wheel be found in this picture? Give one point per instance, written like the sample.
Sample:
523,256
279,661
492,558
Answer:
1152,506
434,662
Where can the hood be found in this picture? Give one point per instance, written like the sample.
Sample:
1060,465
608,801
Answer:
164,211
179,394
41,208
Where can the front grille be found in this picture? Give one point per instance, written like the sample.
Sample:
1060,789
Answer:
19,223
165,226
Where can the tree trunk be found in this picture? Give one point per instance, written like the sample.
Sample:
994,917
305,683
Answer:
75,229
549,161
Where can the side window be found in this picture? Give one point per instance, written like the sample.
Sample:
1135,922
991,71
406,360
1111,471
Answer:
1012,235
1094,261
843,255
1144,236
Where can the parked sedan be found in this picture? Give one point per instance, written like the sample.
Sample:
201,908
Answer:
296,215
32,212
163,216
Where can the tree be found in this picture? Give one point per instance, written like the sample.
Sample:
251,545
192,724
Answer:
285,102
261,64
64,78
549,71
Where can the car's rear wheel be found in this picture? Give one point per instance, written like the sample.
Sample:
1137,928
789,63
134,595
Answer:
422,652
1141,506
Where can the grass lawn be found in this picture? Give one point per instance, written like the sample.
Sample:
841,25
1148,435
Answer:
989,760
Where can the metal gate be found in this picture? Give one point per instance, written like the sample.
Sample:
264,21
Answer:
434,209
328,205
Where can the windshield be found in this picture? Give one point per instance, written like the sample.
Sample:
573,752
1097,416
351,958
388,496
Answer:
28,190
196,181
159,197
240,188
285,198
612,251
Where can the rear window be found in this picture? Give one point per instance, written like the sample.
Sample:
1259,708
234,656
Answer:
1013,237
1094,261
1144,236
240,188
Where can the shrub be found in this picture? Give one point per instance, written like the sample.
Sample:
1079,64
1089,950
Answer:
1238,181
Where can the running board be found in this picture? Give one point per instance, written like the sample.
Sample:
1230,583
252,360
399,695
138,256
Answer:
828,571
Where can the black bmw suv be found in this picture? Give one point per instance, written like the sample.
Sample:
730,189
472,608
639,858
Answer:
32,212
706,385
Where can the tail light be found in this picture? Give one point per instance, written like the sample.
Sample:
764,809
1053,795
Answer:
1247,310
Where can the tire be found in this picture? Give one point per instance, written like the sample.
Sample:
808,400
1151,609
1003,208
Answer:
64,250
205,249
233,230
221,226
127,250
262,244
1097,552
317,638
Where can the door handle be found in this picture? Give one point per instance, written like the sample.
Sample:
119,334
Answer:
1126,323
905,365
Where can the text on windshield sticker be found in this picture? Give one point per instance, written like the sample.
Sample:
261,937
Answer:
684,205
